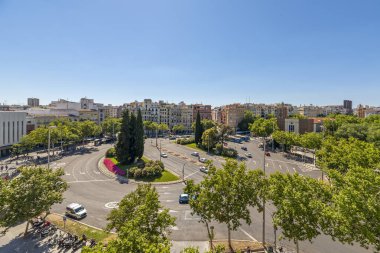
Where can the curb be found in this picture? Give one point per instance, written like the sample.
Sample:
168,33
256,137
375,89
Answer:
107,173
83,223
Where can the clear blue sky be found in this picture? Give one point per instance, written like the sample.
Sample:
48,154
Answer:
215,52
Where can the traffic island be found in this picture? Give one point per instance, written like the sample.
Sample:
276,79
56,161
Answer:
240,245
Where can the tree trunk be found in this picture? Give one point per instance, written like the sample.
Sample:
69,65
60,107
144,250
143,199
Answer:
26,229
210,236
229,239
297,247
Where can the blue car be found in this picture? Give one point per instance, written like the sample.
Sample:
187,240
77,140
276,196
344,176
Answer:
184,198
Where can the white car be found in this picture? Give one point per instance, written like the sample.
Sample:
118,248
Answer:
248,155
195,154
164,155
203,169
203,160
76,211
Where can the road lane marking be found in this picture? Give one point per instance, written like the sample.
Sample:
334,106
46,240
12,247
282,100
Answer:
167,193
247,234
67,174
96,172
112,205
82,172
280,166
89,181
169,200
191,174
174,228
294,169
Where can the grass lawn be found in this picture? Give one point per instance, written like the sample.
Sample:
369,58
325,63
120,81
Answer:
126,167
194,146
78,229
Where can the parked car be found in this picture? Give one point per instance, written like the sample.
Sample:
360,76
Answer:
195,154
203,160
267,153
203,169
248,155
76,211
244,148
164,155
261,145
183,198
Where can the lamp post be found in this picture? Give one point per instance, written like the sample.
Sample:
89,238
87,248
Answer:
183,171
49,129
264,197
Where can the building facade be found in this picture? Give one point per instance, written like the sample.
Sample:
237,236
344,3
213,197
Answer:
12,129
33,102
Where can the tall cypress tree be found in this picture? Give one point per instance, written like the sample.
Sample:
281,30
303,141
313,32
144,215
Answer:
132,139
122,146
198,129
139,135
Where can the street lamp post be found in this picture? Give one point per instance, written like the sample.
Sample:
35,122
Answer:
183,171
264,197
49,129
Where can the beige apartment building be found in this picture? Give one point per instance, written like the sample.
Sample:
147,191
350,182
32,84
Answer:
232,114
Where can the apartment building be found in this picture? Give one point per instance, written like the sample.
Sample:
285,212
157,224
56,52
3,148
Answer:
311,111
232,114
12,129
216,114
33,102
204,111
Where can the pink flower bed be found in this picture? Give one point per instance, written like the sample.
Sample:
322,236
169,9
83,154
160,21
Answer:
113,168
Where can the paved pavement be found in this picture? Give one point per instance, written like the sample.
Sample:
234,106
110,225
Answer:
99,193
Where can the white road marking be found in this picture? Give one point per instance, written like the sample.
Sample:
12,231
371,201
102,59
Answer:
173,211
164,187
67,174
267,165
169,200
191,174
247,234
167,193
89,181
280,167
96,172
174,228
294,169
112,205
82,172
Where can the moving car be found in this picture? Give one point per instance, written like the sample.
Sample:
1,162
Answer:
203,169
244,148
248,155
203,160
76,211
195,154
164,155
183,198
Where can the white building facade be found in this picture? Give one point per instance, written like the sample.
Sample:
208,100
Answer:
12,129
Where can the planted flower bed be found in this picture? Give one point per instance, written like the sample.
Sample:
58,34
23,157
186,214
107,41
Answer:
113,168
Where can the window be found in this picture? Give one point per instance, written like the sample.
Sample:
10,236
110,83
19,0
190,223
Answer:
9,134
18,132
13,132
291,128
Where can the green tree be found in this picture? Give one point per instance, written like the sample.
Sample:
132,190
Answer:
178,128
354,213
141,223
198,130
122,146
111,126
139,136
87,129
341,155
299,203
311,140
355,130
132,139
33,192
264,127
210,138
207,124
223,132
228,192
248,119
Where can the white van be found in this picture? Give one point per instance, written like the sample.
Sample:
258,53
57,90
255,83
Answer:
76,211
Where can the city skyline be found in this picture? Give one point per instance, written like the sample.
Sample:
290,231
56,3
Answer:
216,53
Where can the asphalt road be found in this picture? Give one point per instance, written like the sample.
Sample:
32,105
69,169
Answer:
98,193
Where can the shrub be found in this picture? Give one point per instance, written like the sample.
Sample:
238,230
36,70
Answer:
111,152
184,141
138,174
229,152
113,168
